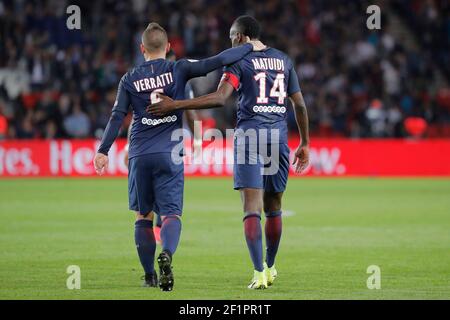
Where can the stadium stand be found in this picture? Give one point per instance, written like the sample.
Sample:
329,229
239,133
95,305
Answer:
60,83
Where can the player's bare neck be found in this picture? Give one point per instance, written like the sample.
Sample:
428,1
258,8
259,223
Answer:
154,56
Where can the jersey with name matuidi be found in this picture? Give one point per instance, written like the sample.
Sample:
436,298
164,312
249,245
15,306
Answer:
264,80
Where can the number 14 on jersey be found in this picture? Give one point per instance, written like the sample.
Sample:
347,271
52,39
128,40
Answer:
277,90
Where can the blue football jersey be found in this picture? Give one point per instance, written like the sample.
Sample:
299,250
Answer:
264,80
139,87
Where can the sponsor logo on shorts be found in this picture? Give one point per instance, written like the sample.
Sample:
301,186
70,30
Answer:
269,109
155,122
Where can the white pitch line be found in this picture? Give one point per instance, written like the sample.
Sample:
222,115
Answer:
288,213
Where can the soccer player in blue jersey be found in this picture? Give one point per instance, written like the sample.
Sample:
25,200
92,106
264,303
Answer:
191,117
155,182
264,80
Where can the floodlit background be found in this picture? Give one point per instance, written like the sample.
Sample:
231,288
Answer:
60,83
379,105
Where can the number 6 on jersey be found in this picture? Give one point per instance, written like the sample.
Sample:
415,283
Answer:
154,96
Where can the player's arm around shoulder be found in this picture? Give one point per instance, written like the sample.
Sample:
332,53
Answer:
212,100
197,68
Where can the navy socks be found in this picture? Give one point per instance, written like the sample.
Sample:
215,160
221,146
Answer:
273,230
253,236
170,233
145,244
145,240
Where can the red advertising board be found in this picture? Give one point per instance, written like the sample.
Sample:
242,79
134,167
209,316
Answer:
329,157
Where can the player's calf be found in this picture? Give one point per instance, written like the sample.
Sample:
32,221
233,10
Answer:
170,233
253,237
146,246
170,237
273,225
273,231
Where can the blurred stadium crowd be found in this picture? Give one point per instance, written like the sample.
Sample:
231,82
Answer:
58,83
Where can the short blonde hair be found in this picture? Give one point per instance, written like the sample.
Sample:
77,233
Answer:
154,37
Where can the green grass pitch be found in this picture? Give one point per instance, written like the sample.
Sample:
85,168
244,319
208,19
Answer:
336,229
